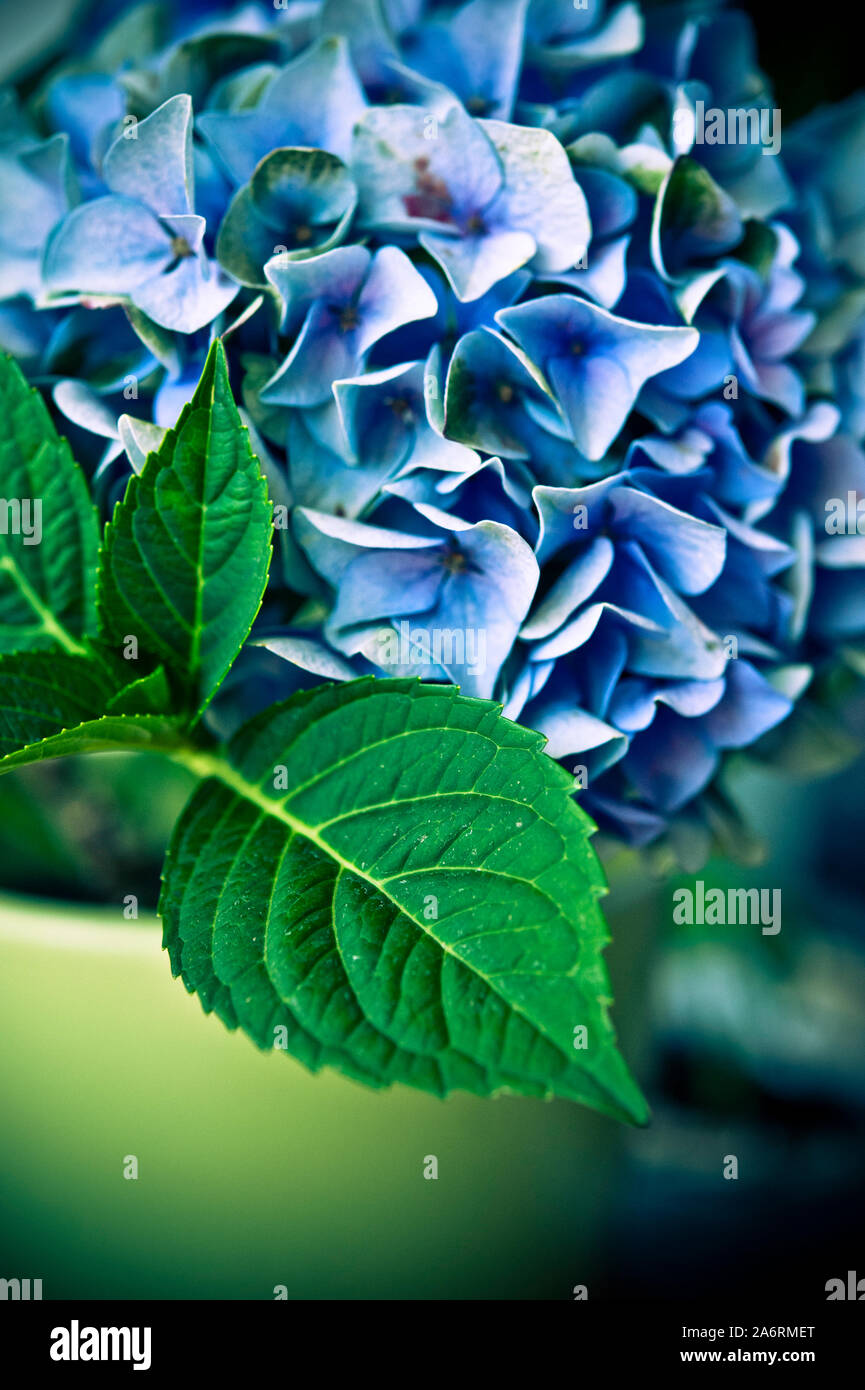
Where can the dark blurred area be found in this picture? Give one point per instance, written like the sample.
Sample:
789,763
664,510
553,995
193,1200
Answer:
754,1045
807,53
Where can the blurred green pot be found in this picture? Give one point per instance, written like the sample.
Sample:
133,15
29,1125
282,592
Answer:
252,1174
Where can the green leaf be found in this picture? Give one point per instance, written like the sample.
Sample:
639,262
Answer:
49,537
397,877
53,703
149,694
185,560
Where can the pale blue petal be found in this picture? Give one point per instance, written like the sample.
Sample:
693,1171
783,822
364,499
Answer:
155,166
108,246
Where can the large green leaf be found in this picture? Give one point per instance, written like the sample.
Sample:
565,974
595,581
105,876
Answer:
397,877
186,555
47,571
53,704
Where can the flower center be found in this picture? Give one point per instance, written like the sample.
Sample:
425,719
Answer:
401,408
505,392
180,248
348,318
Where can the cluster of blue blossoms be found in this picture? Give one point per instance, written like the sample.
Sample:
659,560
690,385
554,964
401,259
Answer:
553,350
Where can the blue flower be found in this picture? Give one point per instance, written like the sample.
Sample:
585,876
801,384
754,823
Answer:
595,362
447,605
297,204
311,103
553,389
142,241
476,51
483,197
335,307
565,37
38,189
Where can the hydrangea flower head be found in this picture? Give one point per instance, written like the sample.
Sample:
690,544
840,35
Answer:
550,337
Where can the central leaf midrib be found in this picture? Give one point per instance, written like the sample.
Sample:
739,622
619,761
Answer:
214,766
47,622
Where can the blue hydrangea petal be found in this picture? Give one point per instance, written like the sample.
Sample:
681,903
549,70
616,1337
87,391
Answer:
406,584
332,542
156,165
578,632
139,438
385,415
635,823
381,412
188,297
679,644
687,552
416,171
86,106
38,189
476,51
694,220
300,200
670,763
491,596
474,264
564,37
684,453
605,275
393,294
540,195
487,383
607,657
530,679
313,101
570,730
322,480
634,703
561,516
363,25
365,296
574,586
595,361
322,353
309,655
337,274
611,200
108,246
80,404
749,708
703,371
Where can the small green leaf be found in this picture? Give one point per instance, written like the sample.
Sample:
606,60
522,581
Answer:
149,694
392,879
185,560
53,703
49,537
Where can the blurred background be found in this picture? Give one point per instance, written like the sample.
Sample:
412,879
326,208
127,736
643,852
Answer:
253,1174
